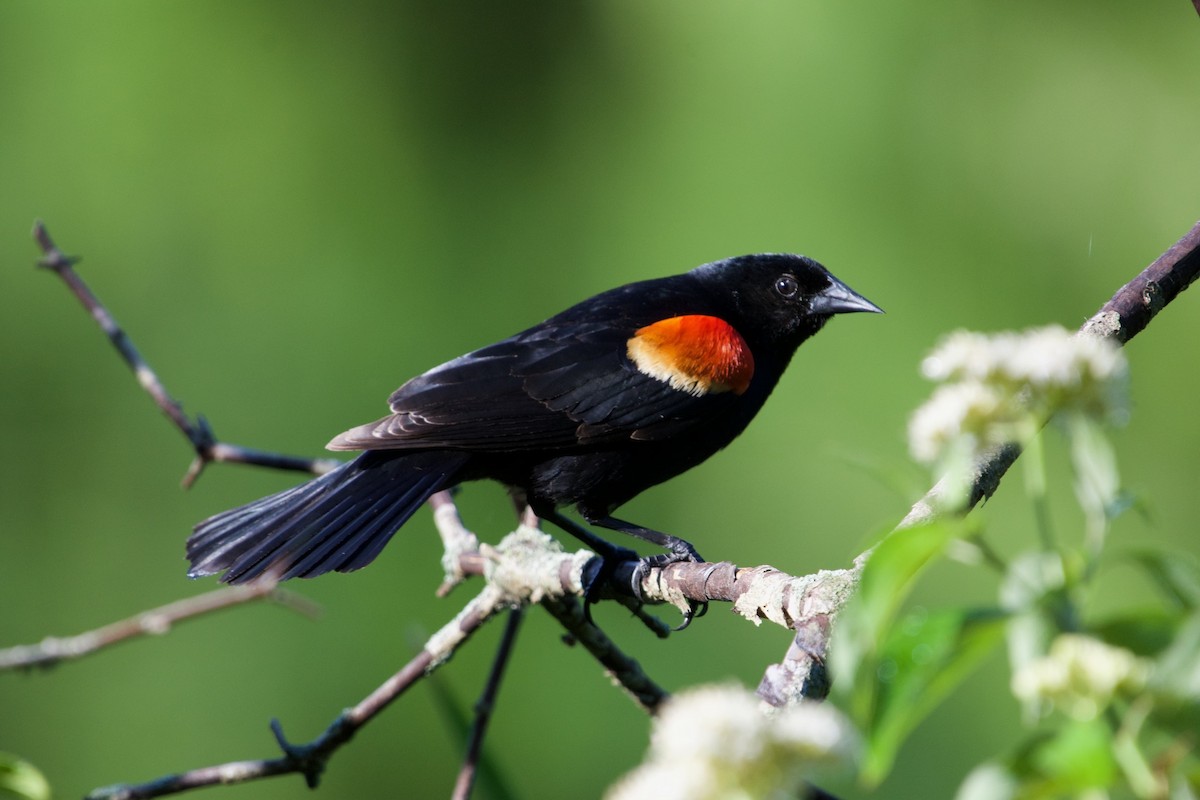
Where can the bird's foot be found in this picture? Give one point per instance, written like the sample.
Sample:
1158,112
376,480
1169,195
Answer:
680,551
611,557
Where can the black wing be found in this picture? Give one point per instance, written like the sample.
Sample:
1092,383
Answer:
559,385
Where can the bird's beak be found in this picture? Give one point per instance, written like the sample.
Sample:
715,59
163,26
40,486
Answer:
839,298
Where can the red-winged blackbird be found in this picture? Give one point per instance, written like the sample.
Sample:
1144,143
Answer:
620,392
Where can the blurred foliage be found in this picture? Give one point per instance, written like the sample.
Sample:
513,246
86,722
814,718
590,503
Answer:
292,209
20,780
1111,701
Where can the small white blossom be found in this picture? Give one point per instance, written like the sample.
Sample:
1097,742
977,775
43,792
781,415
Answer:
998,388
1080,676
1050,358
962,356
662,780
719,742
988,781
957,410
713,723
815,732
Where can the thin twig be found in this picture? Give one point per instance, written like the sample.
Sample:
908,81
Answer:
509,586
1125,315
310,759
52,650
487,702
198,432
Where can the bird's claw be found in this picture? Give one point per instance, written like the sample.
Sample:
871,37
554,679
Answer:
680,551
611,557
693,611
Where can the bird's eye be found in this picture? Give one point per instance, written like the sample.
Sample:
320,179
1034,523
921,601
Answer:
786,285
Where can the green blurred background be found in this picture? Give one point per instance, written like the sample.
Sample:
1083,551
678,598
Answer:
292,208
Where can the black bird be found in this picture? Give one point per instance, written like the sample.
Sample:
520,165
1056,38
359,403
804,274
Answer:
589,408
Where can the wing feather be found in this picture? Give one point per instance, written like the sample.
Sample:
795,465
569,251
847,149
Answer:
555,386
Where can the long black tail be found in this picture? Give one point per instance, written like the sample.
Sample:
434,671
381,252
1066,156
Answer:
339,521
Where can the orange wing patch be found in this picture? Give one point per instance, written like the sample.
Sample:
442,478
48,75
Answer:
696,354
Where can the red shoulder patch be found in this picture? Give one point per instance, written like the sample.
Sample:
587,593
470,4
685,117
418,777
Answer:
696,354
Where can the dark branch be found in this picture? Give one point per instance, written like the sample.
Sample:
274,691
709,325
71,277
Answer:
487,702
198,433
624,670
309,759
1135,304
1130,310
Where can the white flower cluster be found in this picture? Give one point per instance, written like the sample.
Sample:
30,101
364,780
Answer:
717,742
999,388
1080,676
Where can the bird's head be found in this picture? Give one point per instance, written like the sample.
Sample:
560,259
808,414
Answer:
779,299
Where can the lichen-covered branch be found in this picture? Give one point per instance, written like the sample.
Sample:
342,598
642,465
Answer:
1127,313
528,567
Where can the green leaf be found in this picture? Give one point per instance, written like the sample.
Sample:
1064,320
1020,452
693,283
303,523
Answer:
1178,669
893,568
1139,773
1175,574
1096,479
1034,592
1175,681
924,659
20,779
1073,758
1146,632
886,581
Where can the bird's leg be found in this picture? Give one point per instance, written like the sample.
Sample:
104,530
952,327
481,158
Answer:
610,555
679,550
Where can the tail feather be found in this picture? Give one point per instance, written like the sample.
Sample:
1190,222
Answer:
276,540
365,544
339,521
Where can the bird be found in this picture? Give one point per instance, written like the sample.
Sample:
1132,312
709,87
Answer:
589,408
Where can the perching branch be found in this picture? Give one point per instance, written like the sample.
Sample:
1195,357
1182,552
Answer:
528,567
801,674
52,650
462,547
198,433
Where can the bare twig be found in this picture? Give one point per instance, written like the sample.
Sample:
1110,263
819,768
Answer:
198,433
483,709
801,674
310,759
52,650
624,671
510,585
